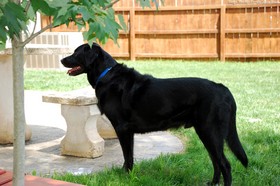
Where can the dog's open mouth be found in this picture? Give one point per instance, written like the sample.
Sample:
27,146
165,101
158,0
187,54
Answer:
75,71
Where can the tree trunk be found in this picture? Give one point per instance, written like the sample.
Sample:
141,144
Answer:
19,116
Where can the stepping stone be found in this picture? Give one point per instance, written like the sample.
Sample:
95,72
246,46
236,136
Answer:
6,179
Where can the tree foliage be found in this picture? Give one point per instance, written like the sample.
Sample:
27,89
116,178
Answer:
96,18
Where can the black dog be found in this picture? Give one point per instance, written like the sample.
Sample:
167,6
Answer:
136,103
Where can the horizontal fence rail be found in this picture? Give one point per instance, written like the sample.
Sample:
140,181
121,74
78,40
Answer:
202,29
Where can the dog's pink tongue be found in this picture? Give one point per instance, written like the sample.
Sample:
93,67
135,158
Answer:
73,70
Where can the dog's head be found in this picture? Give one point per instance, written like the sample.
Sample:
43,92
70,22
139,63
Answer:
82,60
87,59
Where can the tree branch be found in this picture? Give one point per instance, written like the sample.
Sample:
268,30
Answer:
110,5
35,24
17,1
32,36
27,6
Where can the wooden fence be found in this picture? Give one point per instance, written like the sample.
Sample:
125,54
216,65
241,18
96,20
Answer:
198,29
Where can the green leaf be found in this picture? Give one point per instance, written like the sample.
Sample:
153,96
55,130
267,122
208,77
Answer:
43,7
85,13
60,17
86,3
59,21
36,4
3,34
91,40
122,22
98,10
16,9
111,25
144,3
58,3
2,45
14,20
23,26
102,4
80,27
85,35
89,37
3,2
31,14
97,29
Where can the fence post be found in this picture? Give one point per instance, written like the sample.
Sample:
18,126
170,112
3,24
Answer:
132,33
222,32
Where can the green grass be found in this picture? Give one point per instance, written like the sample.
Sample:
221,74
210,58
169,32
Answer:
256,88
53,80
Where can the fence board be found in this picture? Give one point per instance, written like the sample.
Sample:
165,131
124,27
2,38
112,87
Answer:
221,29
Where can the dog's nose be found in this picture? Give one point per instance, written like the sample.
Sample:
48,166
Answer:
62,60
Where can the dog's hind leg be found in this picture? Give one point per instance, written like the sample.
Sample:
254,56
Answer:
217,171
214,144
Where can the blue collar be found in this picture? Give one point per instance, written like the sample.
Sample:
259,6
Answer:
103,74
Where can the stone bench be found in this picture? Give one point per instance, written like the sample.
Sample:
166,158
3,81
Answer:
86,128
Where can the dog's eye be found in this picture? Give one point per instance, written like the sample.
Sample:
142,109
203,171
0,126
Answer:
77,55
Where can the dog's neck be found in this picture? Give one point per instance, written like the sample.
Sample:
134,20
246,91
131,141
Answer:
103,74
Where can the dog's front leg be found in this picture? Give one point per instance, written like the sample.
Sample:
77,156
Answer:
126,139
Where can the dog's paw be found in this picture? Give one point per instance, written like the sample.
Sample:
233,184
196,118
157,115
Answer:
210,183
127,168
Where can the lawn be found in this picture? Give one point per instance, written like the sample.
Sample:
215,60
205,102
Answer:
256,88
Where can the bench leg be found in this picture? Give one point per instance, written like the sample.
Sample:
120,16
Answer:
105,128
82,138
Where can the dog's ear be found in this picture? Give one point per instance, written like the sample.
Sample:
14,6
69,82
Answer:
91,54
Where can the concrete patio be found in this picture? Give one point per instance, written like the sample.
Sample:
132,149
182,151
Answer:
48,128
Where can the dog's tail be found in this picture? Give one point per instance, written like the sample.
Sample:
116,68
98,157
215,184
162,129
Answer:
234,143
